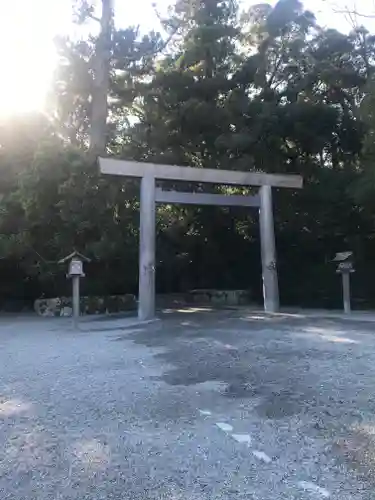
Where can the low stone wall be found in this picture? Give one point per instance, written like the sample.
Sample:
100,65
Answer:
220,297
62,306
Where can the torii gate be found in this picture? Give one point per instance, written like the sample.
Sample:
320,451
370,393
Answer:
150,195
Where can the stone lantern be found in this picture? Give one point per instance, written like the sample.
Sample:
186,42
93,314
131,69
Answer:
345,268
75,272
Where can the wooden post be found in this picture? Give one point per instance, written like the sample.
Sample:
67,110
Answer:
146,297
75,299
346,291
268,250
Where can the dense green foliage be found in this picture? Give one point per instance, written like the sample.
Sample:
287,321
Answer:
266,89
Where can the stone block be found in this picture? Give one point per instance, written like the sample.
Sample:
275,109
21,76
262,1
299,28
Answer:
62,306
220,297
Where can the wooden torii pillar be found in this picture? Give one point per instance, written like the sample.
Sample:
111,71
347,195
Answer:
150,195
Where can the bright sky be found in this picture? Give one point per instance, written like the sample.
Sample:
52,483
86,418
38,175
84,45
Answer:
27,29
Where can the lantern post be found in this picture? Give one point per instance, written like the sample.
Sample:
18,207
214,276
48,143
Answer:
75,273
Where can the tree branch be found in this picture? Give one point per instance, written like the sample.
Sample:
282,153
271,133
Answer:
355,13
94,18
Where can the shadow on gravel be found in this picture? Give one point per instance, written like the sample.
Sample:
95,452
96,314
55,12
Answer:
241,357
273,360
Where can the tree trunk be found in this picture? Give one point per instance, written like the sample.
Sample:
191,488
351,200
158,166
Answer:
102,58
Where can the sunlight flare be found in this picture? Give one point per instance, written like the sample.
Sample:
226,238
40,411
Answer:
27,53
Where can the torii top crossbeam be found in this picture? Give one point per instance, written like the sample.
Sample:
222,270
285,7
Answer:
191,174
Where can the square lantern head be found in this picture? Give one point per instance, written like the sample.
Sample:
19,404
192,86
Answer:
345,262
75,260
345,267
76,268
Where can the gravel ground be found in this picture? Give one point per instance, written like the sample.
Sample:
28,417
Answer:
111,413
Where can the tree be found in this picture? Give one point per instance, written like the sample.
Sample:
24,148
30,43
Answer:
184,100
267,90
70,95
101,82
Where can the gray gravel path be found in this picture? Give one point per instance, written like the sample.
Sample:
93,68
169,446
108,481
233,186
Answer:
132,414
